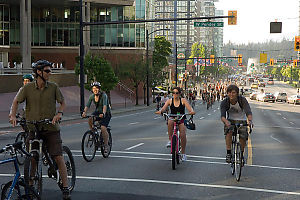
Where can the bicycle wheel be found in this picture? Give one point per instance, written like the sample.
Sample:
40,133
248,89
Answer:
20,155
106,154
33,173
70,165
88,146
238,161
232,159
173,149
25,192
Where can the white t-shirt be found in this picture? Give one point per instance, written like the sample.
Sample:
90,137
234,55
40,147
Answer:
235,112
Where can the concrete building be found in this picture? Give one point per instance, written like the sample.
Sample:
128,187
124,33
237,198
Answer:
211,37
43,29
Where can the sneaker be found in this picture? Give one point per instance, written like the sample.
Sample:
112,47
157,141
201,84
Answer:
168,145
66,193
106,149
243,161
228,158
183,157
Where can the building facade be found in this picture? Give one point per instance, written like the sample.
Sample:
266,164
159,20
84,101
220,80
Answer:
53,30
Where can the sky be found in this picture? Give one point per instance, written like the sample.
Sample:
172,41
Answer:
254,17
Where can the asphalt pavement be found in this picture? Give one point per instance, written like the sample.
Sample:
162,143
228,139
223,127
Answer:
139,166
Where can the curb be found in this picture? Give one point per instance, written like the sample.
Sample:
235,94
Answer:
6,126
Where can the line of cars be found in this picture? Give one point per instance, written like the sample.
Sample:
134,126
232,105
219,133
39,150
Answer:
278,96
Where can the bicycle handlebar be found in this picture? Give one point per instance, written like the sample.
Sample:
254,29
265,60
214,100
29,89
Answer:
17,145
176,116
46,121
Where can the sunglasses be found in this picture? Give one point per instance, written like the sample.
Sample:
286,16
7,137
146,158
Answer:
47,71
175,92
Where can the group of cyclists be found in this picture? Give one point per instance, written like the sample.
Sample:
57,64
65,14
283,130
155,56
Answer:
40,97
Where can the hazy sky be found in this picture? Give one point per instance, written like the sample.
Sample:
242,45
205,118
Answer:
254,17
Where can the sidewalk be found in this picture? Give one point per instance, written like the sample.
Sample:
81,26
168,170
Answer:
72,99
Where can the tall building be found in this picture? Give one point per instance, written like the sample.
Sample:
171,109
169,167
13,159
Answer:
165,9
43,29
210,37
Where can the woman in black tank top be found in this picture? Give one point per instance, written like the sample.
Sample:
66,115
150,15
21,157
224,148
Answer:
177,105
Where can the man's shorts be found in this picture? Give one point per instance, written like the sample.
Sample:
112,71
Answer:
102,121
52,140
243,131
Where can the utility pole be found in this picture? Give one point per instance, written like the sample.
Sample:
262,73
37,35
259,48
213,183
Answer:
81,61
176,65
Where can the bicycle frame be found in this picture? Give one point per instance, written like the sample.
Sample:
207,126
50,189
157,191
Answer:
176,134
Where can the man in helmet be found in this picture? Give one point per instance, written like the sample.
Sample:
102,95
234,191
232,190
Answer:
41,97
27,78
100,99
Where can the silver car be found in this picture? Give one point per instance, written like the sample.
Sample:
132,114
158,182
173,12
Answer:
280,96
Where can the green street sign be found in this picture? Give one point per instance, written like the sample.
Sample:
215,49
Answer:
208,24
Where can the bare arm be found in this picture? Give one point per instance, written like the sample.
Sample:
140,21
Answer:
13,111
164,108
58,116
188,106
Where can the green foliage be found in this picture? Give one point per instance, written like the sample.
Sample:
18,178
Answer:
98,69
162,49
198,50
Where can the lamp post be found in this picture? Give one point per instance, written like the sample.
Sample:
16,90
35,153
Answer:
147,59
81,61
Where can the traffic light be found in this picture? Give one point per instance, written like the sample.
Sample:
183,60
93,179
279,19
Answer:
240,58
212,58
232,20
297,43
295,63
271,61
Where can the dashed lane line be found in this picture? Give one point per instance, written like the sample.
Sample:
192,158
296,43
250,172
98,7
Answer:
201,118
129,148
275,139
133,123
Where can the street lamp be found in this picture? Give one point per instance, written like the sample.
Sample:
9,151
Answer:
147,59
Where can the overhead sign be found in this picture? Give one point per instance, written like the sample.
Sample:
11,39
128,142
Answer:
208,24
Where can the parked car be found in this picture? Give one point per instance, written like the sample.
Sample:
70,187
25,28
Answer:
157,90
254,85
265,97
253,95
295,99
247,91
261,84
280,96
270,81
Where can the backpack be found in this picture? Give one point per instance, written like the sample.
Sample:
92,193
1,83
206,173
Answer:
240,101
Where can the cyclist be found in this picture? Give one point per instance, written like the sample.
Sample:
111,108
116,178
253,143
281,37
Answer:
100,99
41,97
158,99
177,106
235,109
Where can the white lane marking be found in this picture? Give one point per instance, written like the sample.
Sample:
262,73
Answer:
291,122
177,183
6,132
278,113
275,139
188,184
134,114
218,108
288,127
134,146
201,117
157,118
208,114
133,123
215,110
283,118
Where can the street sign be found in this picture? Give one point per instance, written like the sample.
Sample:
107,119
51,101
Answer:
180,55
263,58
208,24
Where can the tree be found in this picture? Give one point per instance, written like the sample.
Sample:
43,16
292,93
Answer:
162,49
98,69
198,50
135,71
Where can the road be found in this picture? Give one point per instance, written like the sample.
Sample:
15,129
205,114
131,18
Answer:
140,168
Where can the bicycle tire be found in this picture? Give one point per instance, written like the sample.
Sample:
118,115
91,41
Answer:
238,162
37,179
105,155
91,141
29,194
20,155
173,151
232,159
71,170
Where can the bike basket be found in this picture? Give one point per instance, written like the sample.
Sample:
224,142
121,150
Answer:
190,124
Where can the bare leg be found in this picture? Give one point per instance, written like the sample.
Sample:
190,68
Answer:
104,134
170,129
62,169
228,139
182,137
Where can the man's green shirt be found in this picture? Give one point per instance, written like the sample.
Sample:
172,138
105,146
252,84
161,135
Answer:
40,104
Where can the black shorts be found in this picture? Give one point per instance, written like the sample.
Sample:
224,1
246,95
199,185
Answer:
102,121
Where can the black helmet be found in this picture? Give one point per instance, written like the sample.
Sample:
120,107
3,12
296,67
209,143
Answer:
97,84
40,64
28,76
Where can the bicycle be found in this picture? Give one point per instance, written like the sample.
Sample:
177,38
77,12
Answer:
17,188
92,140
175,141
40,157
237,161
